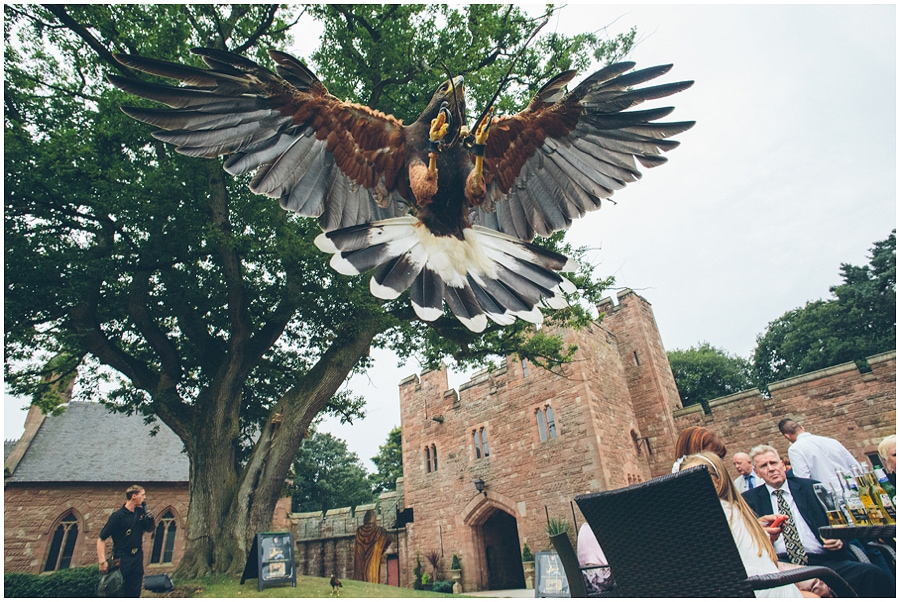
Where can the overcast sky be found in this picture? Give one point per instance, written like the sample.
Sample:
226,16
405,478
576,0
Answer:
790,171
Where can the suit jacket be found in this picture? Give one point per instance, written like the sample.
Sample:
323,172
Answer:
760,501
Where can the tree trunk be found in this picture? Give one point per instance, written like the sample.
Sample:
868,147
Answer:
227,509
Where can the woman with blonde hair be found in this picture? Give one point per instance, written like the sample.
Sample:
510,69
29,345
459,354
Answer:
887,451
751,539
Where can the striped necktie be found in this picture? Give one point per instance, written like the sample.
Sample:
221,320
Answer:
796,551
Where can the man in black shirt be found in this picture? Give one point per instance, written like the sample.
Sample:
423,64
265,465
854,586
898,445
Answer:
126,526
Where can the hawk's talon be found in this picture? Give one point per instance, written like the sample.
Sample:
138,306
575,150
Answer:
439,126
483,129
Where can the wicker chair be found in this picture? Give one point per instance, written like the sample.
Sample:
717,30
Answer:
669,538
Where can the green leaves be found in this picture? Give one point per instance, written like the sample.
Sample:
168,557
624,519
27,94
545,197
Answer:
388,462
705,372
328,475
860,321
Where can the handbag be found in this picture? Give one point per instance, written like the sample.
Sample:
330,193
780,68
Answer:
159,584
110,585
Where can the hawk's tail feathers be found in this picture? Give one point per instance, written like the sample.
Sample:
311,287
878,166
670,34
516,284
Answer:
484,275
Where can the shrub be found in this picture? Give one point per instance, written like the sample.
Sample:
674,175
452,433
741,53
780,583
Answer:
557,526
417,573
444,587
527,556
80,582
454,564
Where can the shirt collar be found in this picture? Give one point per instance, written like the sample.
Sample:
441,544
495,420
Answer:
784,487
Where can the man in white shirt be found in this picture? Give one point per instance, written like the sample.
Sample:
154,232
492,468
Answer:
812,456
747,478
799,542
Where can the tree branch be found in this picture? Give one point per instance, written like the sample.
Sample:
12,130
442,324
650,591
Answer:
59,11
260,30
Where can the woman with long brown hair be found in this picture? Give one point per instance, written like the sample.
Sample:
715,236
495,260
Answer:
751,540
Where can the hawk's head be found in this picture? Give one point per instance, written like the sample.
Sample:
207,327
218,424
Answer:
452,93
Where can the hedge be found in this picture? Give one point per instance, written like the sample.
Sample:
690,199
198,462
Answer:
78,582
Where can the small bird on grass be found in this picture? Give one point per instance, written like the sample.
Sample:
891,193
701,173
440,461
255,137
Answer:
336,586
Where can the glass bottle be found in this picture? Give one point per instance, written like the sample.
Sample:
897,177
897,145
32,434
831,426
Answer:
840,496
882,498
876,517
886,484
854,503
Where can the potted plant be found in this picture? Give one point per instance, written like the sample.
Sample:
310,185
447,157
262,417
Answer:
528,566
426,582
455,569
557,526
456,574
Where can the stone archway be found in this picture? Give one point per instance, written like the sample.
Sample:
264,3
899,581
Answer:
498,537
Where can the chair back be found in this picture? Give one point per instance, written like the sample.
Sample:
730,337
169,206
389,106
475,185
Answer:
667,538
569,559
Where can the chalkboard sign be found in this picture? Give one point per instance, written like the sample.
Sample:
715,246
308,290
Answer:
549,577
271,560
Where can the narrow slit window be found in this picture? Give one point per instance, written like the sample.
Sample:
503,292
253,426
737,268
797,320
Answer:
434,457
542,427
427,459
477,439
551,423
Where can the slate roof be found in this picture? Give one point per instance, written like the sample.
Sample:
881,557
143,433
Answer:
87,443
8,445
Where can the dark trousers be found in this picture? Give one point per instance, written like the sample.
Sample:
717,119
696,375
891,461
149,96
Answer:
133,574
867,580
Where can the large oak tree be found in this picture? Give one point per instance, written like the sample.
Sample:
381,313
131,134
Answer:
210,304
859,321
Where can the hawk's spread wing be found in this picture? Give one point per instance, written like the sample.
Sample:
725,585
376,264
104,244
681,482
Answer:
557,159
320,156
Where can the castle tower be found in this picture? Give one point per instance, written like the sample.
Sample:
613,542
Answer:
651,384
486,467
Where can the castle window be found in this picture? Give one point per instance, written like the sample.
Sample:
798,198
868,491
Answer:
546,423
431,458
637,361
524,369
479,437
63,544
551,424
164,539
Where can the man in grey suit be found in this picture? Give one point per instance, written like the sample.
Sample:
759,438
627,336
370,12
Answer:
747,478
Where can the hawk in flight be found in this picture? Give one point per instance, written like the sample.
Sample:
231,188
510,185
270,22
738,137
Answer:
434,207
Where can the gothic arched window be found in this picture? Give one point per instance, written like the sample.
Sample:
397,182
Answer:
63,543
164,539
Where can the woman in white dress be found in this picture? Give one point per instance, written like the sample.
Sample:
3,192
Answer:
752,541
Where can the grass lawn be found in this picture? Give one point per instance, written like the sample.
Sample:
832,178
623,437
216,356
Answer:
223,586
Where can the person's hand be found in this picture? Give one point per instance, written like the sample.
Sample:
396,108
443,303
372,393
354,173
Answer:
773,532
832,545
104,566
